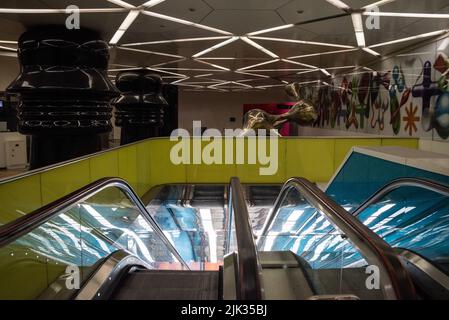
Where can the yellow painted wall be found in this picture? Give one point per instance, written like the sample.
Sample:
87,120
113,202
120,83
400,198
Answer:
147,164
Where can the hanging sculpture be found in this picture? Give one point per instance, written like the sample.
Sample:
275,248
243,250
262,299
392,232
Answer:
302,113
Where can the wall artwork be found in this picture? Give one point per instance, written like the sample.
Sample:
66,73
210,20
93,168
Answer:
406,96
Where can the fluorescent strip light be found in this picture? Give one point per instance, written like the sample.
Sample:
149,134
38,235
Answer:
443,46
252,74
121,3
407,15
271,29
151,52
357,22
300,64
219,45
278,70
360,36
242,84
151,3
258,46
308,71
8,49
117,36
309,82
342,67
168,62
424,35
8,54
130,18
193,69
259,64
174,41
325,72
204,75
305,42
270,86
377,4
213,65
322,53
339,4
8,42
167,72
61,11
123,69
180,80
371,51
185,22
214,86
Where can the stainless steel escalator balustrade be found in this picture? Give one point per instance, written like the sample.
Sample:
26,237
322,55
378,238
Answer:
350,245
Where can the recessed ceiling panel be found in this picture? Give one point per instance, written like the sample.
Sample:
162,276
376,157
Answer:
246,4
241,22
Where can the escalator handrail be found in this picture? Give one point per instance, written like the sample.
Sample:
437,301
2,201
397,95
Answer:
29,222
249,284
396,282
399,183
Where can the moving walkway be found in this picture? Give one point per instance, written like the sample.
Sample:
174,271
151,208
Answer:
103,238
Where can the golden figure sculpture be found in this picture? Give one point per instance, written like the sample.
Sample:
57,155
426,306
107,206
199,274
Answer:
302,113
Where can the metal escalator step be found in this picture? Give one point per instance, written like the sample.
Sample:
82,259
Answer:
168,285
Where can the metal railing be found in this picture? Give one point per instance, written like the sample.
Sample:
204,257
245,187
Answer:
396,283
27,223
249,280
399,183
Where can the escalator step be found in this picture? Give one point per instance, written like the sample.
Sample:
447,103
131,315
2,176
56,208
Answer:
168,285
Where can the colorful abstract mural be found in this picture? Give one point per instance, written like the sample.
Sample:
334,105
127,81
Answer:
407,95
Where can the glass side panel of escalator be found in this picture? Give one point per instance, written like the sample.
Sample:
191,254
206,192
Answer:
415,219
81,237
333,265
195,218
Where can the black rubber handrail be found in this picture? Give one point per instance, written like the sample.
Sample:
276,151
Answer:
400,183
396,282
249,280
29,222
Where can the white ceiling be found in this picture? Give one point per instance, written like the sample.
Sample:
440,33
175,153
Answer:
234,66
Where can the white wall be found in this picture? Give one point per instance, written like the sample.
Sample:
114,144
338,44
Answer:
214,109
9,70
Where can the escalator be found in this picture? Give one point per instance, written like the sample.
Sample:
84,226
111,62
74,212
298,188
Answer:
410,215
102,242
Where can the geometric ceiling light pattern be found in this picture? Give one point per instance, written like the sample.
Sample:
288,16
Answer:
204,65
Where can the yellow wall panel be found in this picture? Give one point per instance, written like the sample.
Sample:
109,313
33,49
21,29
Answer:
104,165
161,167
211,173
143,167
127,165
251,173
19,197
406,143
61,181
310,158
